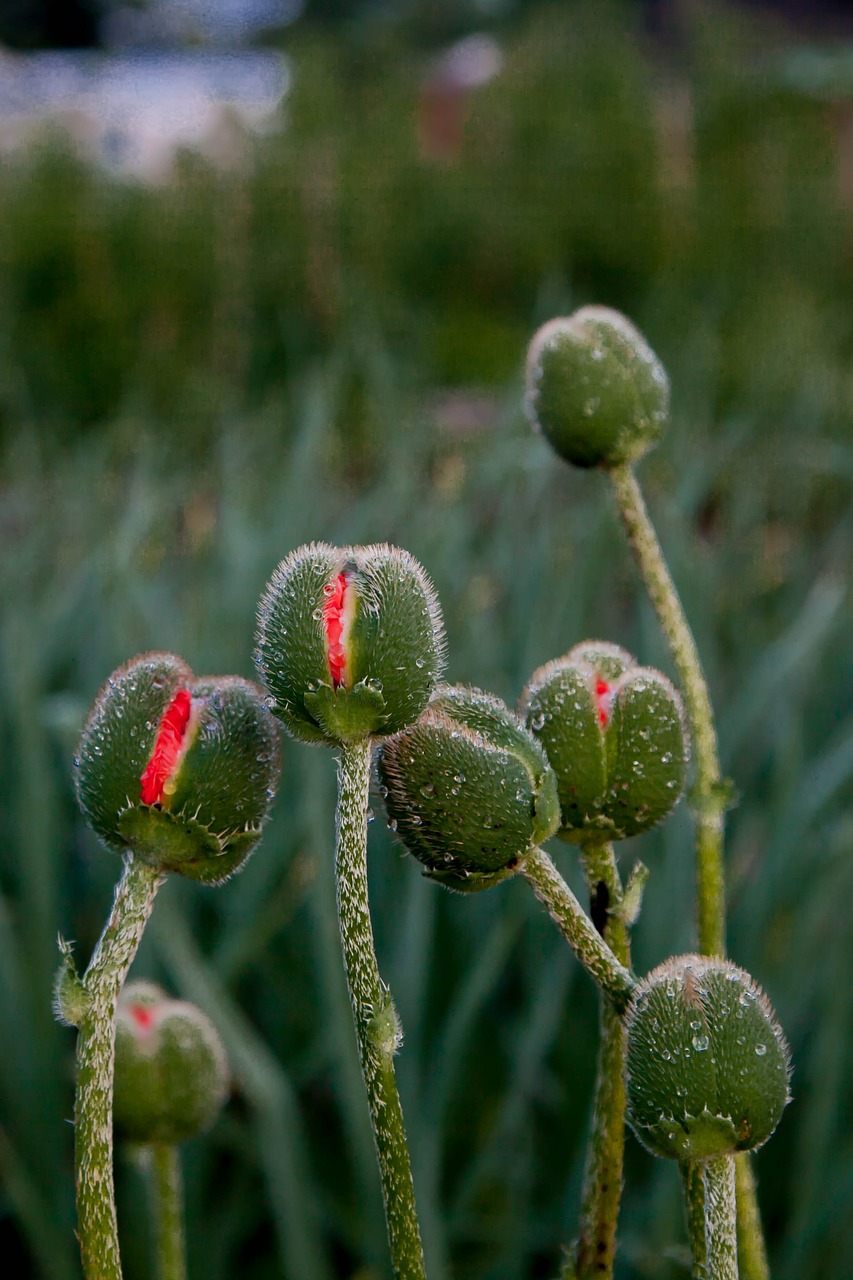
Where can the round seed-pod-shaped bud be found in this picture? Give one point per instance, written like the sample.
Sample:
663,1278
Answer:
596,389
181,770
615,736
171,1074
708,1066
468,790
350,641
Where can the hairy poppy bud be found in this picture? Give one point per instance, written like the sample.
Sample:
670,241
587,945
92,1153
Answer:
467,789
708,1065
596,389
350,641
171,1075
615,737
177,768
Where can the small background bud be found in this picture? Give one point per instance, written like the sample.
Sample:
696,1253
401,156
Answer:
209,814
467,789
596,389
171,1075
377,672
615,736
708,1065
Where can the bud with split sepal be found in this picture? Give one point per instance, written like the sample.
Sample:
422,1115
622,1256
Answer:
171,1073
596,389
468,790
350,641
179,769
708,1065
615,736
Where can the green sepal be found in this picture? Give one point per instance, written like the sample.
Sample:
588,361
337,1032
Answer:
471,881
212,817
596,389
347,715
394,646
171,1075
618,778
708,1066
468,790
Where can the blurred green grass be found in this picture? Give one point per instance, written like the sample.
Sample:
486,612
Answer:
195,379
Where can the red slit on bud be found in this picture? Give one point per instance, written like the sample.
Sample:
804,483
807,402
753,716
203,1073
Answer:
167,747
333,611
142,1016
602,689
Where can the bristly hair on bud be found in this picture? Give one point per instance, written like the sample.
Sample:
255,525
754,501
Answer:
350,641
708,1066
467,789
181,770
595,388
615,735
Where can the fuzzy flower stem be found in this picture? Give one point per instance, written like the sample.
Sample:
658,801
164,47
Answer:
376,1026
614,979
718,1179
708,799
596,1246
93,1119
693,1185
167,1202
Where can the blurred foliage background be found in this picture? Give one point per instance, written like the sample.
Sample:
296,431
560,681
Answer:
323,339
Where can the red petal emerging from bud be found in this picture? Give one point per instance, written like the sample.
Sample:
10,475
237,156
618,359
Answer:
334,620
142,1016
602,700
167,748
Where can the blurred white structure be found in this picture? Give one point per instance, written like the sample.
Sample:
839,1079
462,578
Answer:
132,110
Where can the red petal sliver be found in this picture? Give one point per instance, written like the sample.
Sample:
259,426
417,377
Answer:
167,747
602,689
333,620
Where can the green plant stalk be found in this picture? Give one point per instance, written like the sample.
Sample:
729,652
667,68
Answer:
376,1026
167,1203
708,797
615,980
694,1203
93,1119
596,1245
718,1182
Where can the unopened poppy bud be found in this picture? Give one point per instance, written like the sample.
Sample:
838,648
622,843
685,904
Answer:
468,790
177,768
708,1066
350,641
171,1074
596,389
615,736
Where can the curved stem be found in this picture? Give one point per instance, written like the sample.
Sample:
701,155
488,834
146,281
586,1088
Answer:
596,1246
708,797
614,979
376,1025
93,1118
167,1202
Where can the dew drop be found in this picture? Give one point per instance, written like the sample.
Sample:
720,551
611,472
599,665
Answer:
761,1049
700,1043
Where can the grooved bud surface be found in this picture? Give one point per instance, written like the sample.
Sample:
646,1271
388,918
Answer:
467,789
350,641
596,389
171,1075
211,774
615,736
708,1065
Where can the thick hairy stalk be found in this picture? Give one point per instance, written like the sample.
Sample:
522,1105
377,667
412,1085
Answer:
376,1025
167,1204
614,979
93,1119
596,1246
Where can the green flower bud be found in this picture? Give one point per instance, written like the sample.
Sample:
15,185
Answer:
615,736
350,641
596,389
171,1075
468,790
179,769
708,1066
